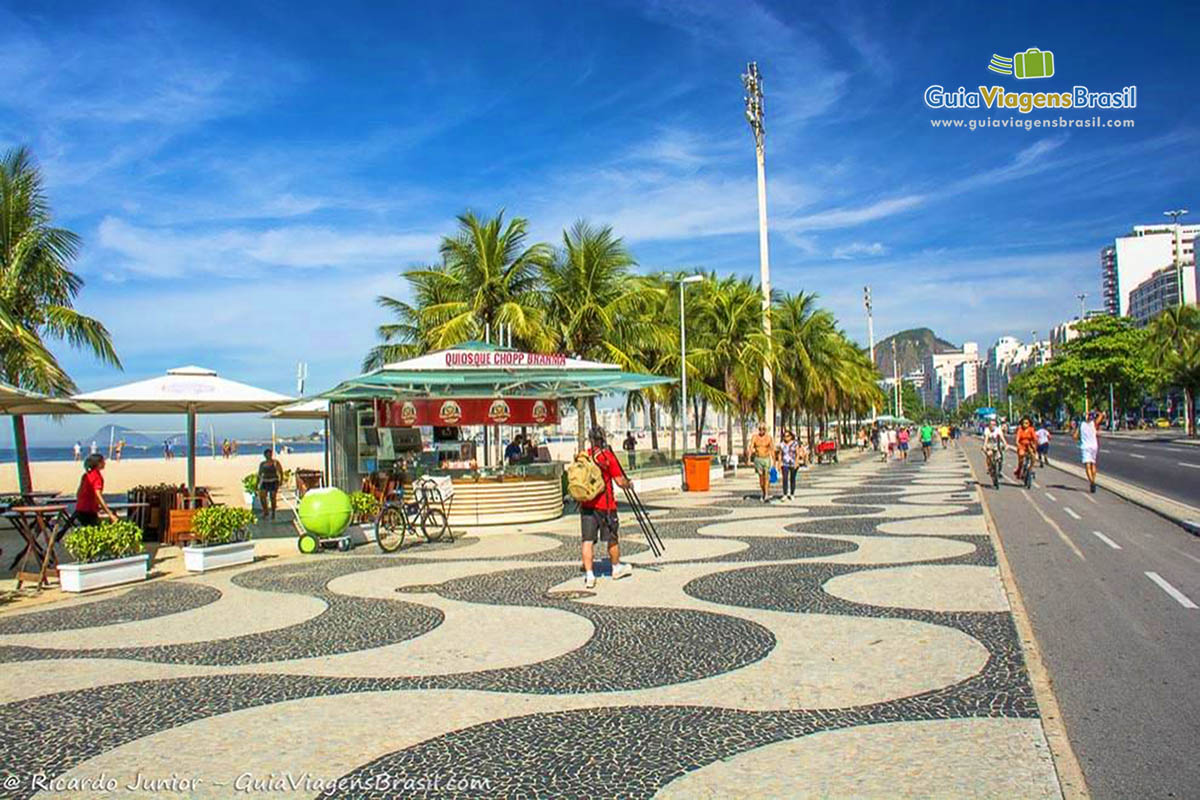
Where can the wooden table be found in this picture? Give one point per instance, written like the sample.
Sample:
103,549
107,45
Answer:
40,527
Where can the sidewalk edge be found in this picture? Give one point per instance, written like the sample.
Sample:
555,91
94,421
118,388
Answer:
1066,765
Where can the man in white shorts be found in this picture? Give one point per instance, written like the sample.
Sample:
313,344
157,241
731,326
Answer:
1088,435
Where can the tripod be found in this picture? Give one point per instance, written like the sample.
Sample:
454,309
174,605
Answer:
639,512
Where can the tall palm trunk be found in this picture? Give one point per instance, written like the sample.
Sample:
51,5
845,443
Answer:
591,401
579,431
745,423
653,425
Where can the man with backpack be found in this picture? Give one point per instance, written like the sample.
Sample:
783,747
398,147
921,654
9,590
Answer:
590,481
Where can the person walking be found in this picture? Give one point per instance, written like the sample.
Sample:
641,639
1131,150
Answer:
270,475
89,497
944,435
1087,433
78,451
598,516
167,449
1042,434
789,462
760,453
630,448
902,437
94,449
118,449
926,439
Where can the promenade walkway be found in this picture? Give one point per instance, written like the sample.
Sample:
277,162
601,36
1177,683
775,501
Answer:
855,642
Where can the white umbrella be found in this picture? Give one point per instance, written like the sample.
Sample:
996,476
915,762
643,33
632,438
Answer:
20,402
185,390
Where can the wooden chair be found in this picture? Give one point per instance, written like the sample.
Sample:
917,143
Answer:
179,526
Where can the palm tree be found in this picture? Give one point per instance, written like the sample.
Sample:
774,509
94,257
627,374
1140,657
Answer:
409,335
729,348
489,276
593,301
1175,349
37,293
649,342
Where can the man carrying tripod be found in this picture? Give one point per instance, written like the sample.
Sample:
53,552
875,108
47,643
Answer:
598,516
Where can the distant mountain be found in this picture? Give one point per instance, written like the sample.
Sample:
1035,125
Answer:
912,346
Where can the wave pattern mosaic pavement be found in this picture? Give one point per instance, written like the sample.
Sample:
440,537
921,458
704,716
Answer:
602,718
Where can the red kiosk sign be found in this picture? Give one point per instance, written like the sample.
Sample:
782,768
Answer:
466,411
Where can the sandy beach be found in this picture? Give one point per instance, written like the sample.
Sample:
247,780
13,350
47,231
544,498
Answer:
223,476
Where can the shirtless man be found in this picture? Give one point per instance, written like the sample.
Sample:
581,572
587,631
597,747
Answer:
762,451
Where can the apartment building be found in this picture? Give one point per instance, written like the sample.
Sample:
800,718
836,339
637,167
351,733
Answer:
1133,259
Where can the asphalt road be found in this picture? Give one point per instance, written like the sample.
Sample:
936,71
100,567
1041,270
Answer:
1111,590
1157,464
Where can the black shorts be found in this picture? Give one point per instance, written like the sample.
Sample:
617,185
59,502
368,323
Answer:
87,518
594,524
1043,448
269,488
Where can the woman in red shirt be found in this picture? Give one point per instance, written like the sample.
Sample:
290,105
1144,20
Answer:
89,498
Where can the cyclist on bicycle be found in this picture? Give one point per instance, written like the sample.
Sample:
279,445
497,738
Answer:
1026,446
994,444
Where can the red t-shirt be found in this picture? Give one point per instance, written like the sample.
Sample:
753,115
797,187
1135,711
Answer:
89,489
609,468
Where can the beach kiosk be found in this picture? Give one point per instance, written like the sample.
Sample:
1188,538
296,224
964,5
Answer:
441,413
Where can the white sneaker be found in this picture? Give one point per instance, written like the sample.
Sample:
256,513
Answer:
589,581
622,570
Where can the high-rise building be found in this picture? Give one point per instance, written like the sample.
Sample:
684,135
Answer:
939,374
1132,259
1159,292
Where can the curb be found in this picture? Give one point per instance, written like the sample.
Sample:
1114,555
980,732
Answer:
1183,515
1071,781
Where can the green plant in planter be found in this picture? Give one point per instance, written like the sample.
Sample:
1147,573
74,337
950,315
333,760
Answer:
104,542
250,482
222,524
365,506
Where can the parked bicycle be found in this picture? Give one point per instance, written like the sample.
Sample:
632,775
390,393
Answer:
426,513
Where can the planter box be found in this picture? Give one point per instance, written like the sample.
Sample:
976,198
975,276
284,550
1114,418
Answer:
250,498
361,534
98,574
204,558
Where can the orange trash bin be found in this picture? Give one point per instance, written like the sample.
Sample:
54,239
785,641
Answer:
695,472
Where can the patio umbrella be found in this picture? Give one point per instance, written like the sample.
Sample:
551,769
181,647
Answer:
20,402
307,409
185,390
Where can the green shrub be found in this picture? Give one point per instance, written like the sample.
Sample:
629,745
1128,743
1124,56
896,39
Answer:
365,506
222,524
104,542
250,482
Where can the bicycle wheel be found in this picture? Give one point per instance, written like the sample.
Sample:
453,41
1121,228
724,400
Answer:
1029,476
390,528
434,524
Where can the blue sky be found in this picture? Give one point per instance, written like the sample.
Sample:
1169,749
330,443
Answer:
248,177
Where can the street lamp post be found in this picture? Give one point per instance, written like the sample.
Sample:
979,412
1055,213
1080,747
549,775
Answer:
1081,297
870,333
752,80
1175,214
683,355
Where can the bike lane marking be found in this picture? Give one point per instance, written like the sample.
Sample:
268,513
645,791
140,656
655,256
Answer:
1071,513
1106,540
1177,595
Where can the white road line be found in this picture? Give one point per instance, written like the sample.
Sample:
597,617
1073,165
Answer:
1071,513
1186,464
1050,497
1059,531
1135,455
1091,499
1106,540
1179,596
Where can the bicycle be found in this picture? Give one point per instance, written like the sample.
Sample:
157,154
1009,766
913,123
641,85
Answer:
398,518
1026,466
995,464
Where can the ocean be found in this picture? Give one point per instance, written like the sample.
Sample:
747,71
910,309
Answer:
67,452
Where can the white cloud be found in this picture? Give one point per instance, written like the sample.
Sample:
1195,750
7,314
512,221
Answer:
167,252
859,250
